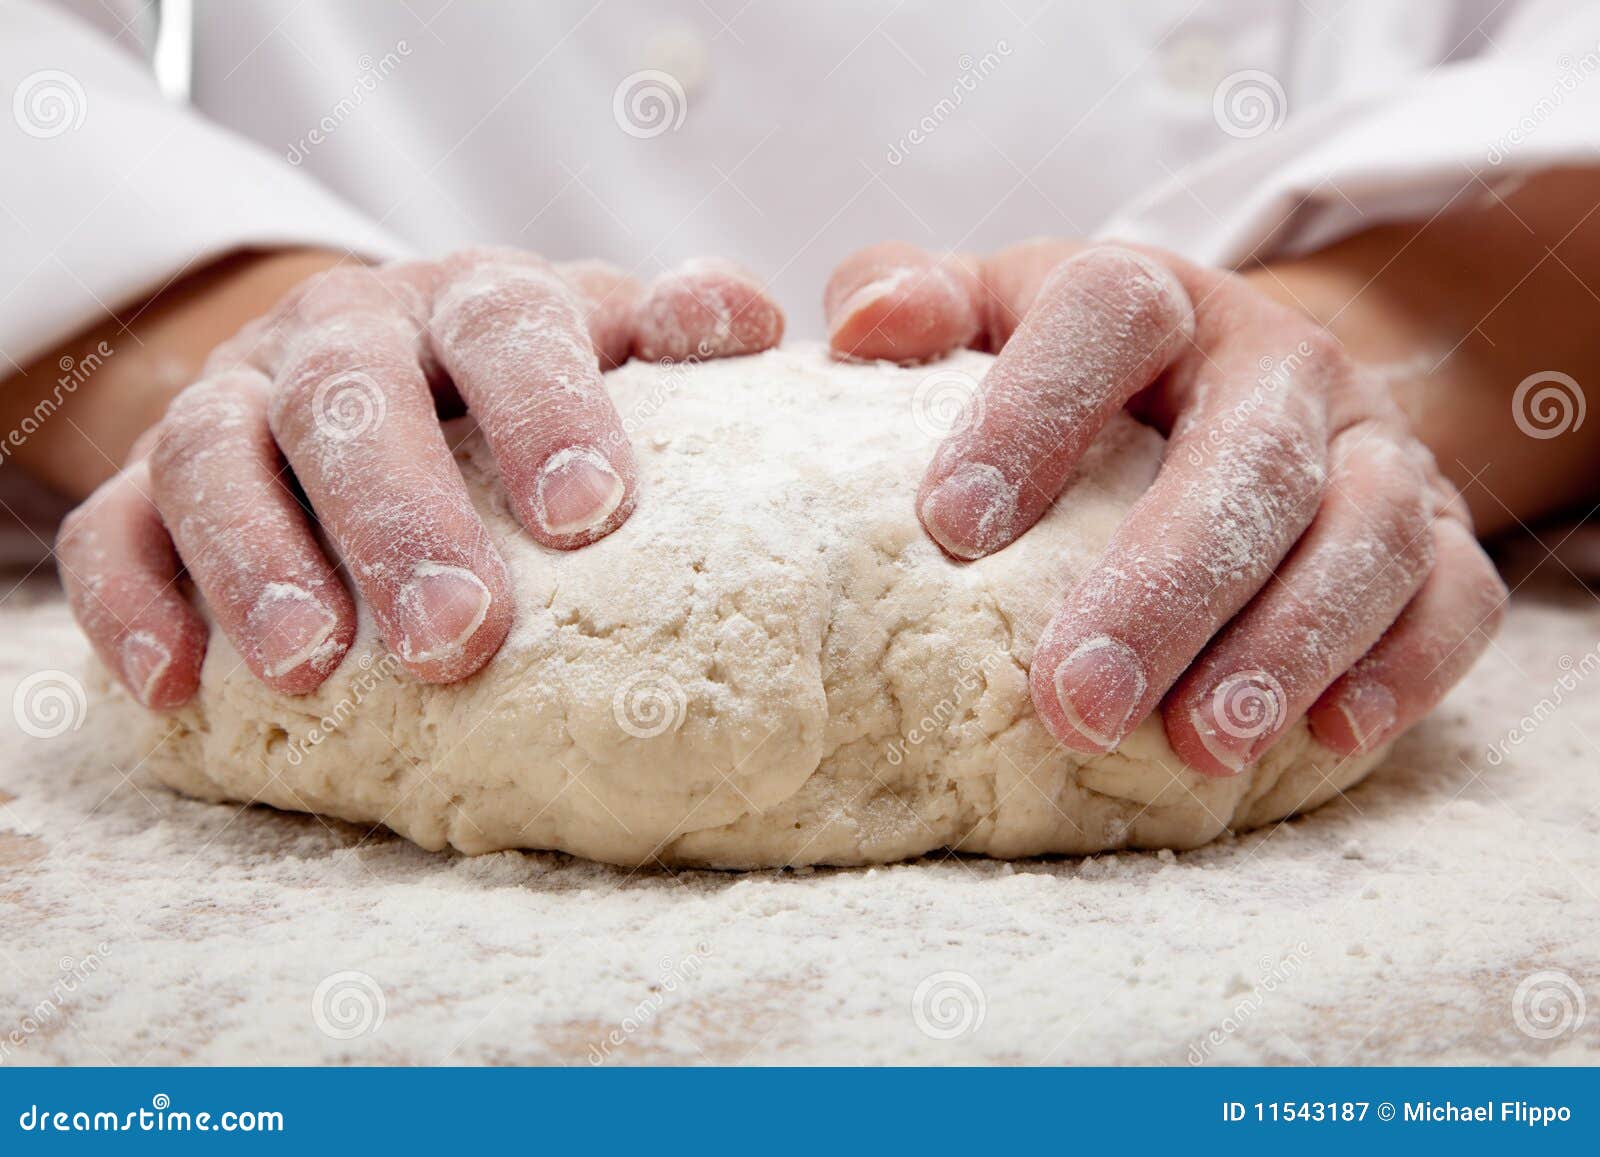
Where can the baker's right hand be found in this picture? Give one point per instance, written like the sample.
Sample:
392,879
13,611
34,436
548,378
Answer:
334,393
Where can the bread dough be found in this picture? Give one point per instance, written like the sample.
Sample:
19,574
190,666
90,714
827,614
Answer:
769,664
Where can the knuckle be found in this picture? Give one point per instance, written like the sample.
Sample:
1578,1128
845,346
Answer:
70,533
1152,292
1324,352
336,292
211,417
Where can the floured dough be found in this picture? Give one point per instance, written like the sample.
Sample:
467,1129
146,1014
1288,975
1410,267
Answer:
769,664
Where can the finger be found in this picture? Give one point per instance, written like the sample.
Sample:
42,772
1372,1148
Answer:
608,297
1241,480
120,573
1108,322
1436,639
217,478
511,336
1012,279
705,309
351,411
1347,579
901,303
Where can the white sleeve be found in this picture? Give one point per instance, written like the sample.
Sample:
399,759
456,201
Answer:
1458,132
111,191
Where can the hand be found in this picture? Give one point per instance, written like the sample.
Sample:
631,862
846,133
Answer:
1298,553
342,384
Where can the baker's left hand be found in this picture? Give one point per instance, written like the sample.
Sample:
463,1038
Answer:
1298,553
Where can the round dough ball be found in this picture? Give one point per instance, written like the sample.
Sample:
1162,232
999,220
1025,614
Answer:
769,664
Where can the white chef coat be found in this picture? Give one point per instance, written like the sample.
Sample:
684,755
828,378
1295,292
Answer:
782,133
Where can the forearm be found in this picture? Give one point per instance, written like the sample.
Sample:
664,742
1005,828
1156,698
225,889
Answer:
1456,313
70,417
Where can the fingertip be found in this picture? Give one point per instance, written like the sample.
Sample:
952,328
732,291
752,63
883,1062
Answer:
451,619
578,496
904,308
1354,717
971,513
1198,742
1087,692
1219,727
160,664
299,639
705,308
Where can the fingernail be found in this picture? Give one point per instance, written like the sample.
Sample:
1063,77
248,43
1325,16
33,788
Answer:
144,661
577,491
1240,718
1224,748
1370,710
440,609
292,626
867,295
971,513
1099,685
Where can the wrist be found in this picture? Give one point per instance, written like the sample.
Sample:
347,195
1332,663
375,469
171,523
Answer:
72,414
